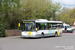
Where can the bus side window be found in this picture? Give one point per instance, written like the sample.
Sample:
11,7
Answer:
43,26
49,26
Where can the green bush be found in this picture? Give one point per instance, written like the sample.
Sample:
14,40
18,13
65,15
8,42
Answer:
2,31
5,34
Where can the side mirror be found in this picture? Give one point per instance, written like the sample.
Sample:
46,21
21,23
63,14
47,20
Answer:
18,24
36,29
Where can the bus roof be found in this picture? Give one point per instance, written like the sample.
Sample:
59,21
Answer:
43,21
48,21
36,20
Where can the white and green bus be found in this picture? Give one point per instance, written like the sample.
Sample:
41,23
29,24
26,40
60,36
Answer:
40,28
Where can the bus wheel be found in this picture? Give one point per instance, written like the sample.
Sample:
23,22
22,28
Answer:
71,31
42,35
56,34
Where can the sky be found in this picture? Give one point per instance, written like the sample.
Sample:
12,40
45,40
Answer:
66,3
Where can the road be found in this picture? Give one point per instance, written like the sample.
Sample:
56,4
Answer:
66,42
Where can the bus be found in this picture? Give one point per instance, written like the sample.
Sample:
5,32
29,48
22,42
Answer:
40,28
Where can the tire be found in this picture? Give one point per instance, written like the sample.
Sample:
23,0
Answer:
71,31
42,35
56,35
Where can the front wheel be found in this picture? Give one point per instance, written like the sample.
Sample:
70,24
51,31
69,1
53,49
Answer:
72,31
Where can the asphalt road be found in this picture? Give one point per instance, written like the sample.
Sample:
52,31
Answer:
66,42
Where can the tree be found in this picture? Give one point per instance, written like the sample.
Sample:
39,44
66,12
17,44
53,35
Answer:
12,12
52,10
34,9
6,8
67,16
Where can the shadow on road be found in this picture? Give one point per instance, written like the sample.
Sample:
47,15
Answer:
39,37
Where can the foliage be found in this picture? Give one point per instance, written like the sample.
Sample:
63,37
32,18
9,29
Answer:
2,30
35,9
6,10
67,16
13,11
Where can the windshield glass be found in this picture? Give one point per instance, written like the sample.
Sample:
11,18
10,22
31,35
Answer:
68,27
28,27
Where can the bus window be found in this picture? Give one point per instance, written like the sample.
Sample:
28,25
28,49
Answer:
49,26
54,26
42,26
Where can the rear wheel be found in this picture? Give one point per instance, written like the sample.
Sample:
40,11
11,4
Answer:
56,34
42,35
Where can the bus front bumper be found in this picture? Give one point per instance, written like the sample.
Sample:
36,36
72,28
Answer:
33,35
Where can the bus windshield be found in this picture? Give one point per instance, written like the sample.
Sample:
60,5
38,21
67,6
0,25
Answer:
28,27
